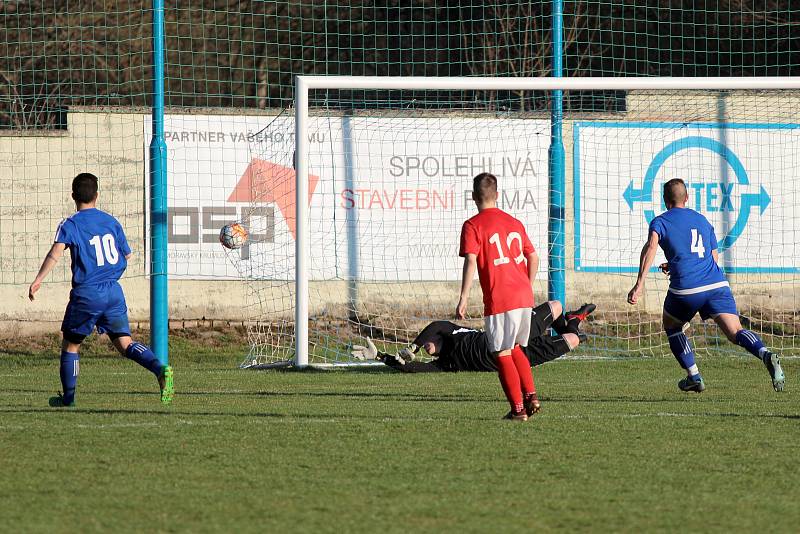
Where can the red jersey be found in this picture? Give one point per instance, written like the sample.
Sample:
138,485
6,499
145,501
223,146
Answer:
501,245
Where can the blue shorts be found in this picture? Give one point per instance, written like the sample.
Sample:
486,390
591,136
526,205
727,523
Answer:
708,303
100,305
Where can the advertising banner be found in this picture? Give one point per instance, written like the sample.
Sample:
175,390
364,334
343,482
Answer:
387,195
741,177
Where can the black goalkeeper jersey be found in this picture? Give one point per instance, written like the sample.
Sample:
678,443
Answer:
458,348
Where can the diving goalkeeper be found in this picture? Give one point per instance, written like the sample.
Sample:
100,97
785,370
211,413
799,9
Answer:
456,348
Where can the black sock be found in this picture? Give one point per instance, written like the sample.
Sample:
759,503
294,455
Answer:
573,326
560,325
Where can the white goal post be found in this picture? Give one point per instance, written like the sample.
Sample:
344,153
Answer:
305,84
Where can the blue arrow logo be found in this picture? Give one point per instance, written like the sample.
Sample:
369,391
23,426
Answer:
632,195
749,200
761,199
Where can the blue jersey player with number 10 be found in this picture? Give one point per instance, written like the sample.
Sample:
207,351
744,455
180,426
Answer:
99,254
697,284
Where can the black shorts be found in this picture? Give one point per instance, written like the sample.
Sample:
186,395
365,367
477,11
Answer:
542,347
541,319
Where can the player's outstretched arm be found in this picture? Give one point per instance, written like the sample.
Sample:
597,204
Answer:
371,352
50,261
645,261
467,275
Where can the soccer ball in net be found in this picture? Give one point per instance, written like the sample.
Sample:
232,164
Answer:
233,236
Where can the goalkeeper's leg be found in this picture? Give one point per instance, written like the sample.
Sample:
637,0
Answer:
542,347
571,320
543,316
547,348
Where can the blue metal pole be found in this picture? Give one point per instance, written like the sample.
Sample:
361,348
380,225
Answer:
159,317
556,286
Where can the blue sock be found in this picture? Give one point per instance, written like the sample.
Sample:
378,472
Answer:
144,357
751,342
70,368
682,349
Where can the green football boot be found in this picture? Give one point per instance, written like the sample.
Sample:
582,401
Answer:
165,382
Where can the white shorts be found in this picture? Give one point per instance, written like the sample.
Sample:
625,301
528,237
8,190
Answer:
504,330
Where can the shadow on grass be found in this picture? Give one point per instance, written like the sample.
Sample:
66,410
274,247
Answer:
171,412
329,394
415,397
623,399
306,394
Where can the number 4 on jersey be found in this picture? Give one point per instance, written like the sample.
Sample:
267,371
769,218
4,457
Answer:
697,243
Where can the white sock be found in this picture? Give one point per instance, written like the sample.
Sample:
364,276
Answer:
693,370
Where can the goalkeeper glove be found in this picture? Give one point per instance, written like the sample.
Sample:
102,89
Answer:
407,354
360,352
370,352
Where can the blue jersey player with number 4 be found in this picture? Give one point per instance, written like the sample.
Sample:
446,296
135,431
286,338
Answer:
697,284
99,253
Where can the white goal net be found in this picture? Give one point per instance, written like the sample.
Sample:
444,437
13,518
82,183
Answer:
389,179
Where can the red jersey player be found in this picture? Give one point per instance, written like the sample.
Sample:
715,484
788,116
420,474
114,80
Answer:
497,244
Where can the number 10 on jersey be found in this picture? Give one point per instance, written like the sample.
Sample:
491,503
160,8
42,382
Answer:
513,236
105,249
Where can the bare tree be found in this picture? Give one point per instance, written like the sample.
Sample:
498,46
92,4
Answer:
515,39
244,53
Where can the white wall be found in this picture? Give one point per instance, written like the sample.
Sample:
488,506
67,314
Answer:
35,175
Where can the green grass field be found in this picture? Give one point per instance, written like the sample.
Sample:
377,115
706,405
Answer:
616,448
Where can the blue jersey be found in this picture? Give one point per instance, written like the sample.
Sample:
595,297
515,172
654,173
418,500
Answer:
97,246
687,239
